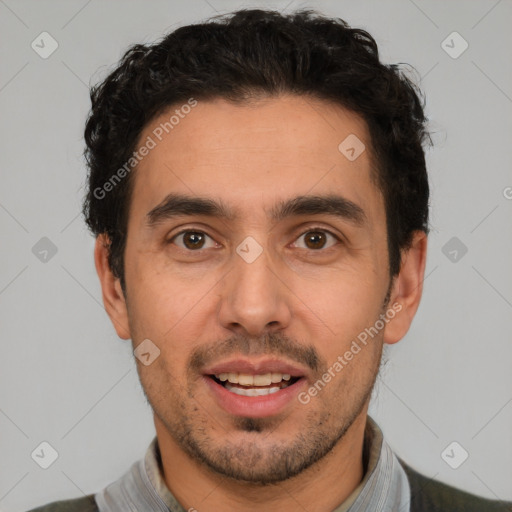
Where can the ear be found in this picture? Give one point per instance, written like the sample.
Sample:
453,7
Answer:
407,288
113,297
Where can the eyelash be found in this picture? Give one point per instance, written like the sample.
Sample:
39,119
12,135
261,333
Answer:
309,230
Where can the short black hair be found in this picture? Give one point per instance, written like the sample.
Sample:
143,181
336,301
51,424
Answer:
245,55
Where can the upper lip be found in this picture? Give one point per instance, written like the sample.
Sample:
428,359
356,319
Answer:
255,367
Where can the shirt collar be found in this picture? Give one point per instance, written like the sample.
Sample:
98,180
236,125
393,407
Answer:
384,485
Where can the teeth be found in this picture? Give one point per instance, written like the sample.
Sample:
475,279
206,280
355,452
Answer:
252,391
245,379
263,380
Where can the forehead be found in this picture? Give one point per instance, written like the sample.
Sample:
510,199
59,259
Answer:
253,154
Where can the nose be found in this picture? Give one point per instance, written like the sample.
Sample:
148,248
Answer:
255,299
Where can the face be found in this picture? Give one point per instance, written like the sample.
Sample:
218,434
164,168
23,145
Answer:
254,294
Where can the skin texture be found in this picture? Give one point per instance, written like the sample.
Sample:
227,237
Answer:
298,302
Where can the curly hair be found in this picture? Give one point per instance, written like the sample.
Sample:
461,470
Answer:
249,54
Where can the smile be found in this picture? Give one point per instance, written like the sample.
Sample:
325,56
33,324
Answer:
245,384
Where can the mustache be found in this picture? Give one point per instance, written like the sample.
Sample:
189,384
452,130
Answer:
270,344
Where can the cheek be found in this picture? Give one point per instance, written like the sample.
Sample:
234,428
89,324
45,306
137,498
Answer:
163,390
161,301
170,313
347,303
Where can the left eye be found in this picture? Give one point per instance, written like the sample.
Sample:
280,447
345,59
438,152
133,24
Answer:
316,239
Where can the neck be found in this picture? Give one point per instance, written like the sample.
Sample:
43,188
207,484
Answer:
323,486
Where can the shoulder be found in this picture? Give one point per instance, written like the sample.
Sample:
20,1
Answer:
85,504
428,495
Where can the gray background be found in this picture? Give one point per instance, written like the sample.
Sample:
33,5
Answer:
67,379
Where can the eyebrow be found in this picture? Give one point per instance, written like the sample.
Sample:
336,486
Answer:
177,205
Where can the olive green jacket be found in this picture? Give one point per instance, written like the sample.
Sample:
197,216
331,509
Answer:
427,495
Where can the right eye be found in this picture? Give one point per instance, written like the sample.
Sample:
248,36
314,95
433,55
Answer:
191,240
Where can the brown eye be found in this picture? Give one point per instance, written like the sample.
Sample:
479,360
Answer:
316,239
192,240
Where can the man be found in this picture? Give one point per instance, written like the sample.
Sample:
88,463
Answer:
258,191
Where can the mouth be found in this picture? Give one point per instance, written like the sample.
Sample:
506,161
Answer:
255,390
244,384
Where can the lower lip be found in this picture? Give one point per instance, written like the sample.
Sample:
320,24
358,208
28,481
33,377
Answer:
254,406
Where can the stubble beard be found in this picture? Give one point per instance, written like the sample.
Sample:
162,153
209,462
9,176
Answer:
257,459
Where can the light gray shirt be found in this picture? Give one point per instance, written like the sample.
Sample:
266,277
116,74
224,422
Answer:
384,487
